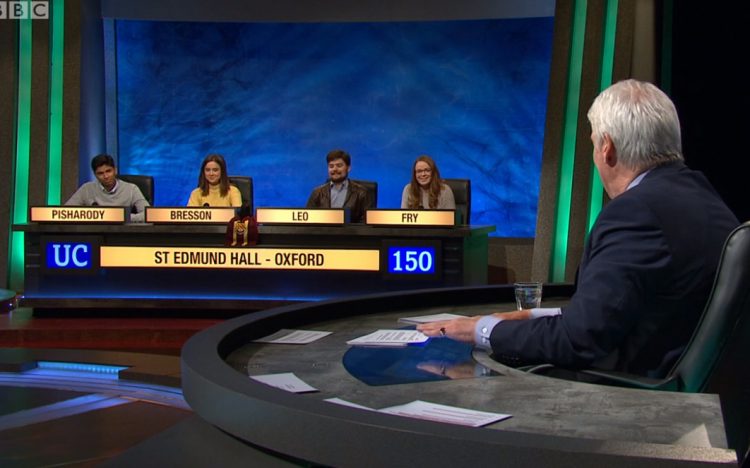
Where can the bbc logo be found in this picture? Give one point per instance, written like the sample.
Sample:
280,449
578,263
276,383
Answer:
24,10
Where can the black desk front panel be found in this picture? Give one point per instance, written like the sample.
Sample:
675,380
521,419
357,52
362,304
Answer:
463,261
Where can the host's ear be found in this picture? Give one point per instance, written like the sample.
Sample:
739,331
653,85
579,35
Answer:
609,151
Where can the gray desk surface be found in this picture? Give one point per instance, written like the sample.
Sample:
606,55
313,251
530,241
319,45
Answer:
538,404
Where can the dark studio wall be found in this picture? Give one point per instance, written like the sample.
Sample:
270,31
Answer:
711,94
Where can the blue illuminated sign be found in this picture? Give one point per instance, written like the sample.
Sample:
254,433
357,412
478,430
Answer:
411,260
69,255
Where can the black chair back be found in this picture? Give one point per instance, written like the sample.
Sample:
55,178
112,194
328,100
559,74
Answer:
721,339
715,359
245,185
462,194
726,317
144,182
372,191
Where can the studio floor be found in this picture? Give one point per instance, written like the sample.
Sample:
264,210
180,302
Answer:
59,410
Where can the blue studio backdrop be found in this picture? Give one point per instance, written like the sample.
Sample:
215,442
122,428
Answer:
274,98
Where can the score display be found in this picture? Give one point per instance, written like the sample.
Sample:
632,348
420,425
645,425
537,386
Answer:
414,259
396,259
418,260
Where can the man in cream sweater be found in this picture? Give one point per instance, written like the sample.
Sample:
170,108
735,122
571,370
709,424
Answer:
108,190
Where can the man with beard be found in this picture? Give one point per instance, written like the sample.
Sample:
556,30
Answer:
339,191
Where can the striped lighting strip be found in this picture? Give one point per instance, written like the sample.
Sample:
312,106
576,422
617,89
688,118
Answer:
102,369
54,155
567,159
21,170
596,191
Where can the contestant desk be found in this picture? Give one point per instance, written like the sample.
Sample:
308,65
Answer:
554,422
461,259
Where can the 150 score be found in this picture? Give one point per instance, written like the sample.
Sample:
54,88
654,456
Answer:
411,260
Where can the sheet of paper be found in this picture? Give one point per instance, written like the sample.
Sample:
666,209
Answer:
285,381
341,402
389,338
429,318
697,437
285,336
448,414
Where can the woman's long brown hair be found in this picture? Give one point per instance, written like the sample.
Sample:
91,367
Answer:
415,195
223,181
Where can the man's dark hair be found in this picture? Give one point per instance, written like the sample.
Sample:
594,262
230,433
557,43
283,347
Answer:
339,154
102,160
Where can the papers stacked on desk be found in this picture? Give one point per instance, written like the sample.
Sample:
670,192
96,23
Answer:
429,318
285,336
389,338
448,414
285,381
434,412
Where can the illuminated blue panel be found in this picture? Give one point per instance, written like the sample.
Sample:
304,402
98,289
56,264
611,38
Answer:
81,369
411,260
274,98
68,255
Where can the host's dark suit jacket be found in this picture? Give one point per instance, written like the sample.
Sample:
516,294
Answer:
646,273
357,200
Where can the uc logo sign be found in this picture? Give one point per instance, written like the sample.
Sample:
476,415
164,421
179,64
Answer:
68,255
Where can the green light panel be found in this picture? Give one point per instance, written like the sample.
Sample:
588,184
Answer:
23,128
54,156
596,192
565,183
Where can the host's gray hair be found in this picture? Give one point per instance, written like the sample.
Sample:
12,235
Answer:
641,121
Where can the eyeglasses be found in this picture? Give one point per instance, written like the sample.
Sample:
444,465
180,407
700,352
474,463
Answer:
423,171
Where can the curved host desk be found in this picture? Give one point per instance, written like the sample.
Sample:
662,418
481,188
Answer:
554,422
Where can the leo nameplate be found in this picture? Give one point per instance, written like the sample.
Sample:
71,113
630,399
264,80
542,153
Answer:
189,215
300,216
78,214
411,217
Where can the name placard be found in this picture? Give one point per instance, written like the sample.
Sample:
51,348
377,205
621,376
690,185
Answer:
190,215
252,258
78,214
300,216
411,217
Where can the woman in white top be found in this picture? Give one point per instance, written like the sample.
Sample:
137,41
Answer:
426,191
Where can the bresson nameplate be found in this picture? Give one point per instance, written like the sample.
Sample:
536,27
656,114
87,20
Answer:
189,215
